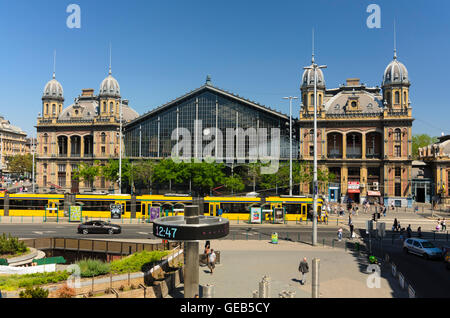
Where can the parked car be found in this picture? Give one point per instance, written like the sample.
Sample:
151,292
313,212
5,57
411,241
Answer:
99,227
422,248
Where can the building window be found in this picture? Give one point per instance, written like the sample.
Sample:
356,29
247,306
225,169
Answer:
45,167
404,98
398,172
397,151
311,101
398,189
103,150
388,98
54,109
45,150
398,135
311,150
45,138
103,137
397,97
44,180
311,135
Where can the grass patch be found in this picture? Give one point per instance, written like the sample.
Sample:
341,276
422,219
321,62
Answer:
137,262
14,282
92,267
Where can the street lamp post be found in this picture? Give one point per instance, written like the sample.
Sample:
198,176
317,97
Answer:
33,148
120,149
290,141
314,67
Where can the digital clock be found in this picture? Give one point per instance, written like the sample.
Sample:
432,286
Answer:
175,228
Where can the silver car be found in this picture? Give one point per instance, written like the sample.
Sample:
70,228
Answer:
422,248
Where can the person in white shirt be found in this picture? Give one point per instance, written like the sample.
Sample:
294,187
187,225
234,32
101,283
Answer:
211,260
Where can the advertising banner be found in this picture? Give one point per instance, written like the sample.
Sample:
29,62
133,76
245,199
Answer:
353,187
75,213
154,212
116,211
255,215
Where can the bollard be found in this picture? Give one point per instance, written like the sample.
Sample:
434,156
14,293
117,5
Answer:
207,291
298,237
332,243
315,278
323,242
287,236
246,236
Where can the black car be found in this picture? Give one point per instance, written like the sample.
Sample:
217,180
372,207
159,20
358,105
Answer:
99,227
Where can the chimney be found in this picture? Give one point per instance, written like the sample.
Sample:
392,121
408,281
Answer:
352,81
87,92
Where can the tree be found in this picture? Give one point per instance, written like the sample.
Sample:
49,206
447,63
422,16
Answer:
234,183
167,171
206,176
419,141
143,171
21,164
87,172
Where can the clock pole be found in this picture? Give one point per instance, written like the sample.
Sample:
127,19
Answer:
191,252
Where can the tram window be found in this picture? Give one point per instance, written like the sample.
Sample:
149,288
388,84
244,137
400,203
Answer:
27,204
293,208
128,206
96,205
1,203
235,207
206,207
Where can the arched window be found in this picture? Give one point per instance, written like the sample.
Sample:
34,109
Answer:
311,135
45,138
104,107
404,98
388,98
397,97
305,101
111,106
397,134
320,99
103,137
311,100
53,109
46,109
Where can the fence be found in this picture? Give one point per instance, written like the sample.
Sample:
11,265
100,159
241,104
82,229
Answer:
403,282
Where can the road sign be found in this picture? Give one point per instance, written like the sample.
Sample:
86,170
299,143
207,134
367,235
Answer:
116,211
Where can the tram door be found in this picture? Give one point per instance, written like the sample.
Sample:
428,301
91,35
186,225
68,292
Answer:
144,209
303,212
214,208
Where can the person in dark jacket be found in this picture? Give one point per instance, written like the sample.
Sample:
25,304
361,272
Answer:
303,268
409,231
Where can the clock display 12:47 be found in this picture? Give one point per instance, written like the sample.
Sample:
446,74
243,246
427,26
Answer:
164,231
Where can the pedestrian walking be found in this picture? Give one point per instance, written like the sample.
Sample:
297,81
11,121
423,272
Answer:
443,225
384,210
438,226
394,227
351,231
340,234
207,251
392,205
212,261
350,221
304,269
419,232
409,231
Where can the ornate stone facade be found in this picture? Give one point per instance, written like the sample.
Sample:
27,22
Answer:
364,136
86,131
13,142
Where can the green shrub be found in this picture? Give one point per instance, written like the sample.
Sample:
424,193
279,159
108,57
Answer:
11,245
14,282
37,292
137,262
92,267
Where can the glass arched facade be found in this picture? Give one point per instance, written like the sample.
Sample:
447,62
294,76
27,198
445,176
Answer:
150,135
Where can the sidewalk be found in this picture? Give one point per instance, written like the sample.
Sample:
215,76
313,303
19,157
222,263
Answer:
244,263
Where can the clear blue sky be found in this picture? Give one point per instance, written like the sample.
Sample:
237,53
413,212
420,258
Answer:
254,48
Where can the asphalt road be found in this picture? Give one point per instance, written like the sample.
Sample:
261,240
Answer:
429,278
145,231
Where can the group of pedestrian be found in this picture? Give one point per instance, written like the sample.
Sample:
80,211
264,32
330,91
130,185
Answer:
441,225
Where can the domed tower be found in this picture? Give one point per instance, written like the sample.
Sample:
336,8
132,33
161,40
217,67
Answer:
396,85
109,97
307,88
52,99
